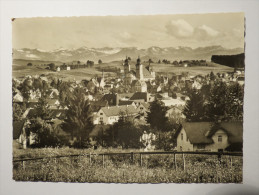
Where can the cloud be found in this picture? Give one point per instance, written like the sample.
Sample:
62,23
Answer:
179,28
182,29
205,32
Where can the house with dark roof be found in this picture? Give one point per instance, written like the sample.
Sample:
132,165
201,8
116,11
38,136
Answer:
208,136
110,115
19,134
142,97
127,102
111,98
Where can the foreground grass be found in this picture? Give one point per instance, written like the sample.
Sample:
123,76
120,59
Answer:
120,169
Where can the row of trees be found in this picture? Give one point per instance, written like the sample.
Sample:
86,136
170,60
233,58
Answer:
215,102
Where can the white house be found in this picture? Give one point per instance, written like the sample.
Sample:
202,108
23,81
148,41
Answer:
110,115
173,102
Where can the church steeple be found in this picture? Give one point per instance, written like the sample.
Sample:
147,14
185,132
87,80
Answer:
126,66
139,69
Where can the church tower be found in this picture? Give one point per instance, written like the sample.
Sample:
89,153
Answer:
126,66
139,70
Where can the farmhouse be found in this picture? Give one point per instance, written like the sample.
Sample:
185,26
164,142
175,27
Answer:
195,136
110,115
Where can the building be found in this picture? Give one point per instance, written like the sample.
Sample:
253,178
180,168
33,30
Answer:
173,102
142,97
175,113
195,136
139,86
141,73
110,115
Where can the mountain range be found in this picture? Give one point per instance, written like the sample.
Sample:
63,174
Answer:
108,54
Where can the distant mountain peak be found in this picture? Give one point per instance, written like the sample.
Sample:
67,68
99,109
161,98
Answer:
108,54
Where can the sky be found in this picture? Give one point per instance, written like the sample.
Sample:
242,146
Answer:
189,30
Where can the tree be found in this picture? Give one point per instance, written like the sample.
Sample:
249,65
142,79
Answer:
29,64
100,61
217,101
78,120
156,117
235,100
194,109
52,66
159,62
45,134
42,109
18,111
150,61
37,84
124,133
212,76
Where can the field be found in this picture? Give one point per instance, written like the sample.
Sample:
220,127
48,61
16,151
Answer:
20,69
121,169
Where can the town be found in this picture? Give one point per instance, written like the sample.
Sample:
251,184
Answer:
135,108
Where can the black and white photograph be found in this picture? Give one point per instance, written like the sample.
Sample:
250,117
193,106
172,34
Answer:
129,99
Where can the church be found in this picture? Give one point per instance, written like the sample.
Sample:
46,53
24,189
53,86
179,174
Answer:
137,78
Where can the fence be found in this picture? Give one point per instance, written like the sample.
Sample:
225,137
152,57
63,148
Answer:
133,155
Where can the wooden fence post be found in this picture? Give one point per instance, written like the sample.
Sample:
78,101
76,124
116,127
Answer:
219,158
23,164
132,157
90,160
183,162
140,159
231,162
103,161
175,165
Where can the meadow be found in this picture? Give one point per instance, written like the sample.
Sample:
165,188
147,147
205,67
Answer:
20,69
121,169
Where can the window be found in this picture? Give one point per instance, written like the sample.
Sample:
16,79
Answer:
181,148
201,146
181,136
101,119
220,138
101,113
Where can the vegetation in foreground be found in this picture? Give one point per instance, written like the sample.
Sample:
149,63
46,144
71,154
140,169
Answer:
121,169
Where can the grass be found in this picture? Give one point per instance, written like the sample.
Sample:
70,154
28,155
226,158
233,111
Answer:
20,69
120,169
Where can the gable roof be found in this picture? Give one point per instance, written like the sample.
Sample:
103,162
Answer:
117,110
96,105
17,128
125,102
139,96
234,131
53,113
145,104
201,132
196,132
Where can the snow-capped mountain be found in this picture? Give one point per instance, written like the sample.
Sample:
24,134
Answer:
108,54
